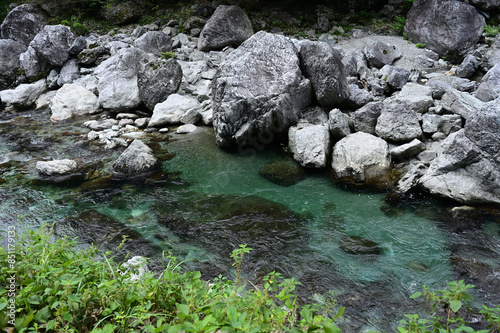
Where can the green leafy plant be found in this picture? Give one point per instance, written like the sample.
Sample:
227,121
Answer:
491,31
76,25
447,310
398,25
65,289
420,46
167,55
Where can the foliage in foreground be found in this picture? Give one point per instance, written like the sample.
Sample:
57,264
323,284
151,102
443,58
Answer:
448,308
60,289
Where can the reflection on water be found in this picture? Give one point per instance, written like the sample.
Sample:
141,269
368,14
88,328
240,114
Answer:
210,201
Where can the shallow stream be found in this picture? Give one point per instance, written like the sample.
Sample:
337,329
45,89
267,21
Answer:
208,201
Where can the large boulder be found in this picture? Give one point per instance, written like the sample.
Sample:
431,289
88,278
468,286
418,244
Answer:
228,26
154,42
380,54
461,103
118,87
136,160
365,118
24,96
469,168
23,23
159,79
362,158
449,27
31,64
173,110
398,123
489,89
323,66
52,44
258,91
9,61
72,100
309,144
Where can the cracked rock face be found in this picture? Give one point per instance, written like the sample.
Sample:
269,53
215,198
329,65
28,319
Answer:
469,169
258,91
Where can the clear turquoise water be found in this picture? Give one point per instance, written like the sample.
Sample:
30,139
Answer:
415,250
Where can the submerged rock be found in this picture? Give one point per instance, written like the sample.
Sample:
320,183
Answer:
283,172
258,91
359,245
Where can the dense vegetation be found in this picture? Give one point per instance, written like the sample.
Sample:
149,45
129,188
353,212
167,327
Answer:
63,289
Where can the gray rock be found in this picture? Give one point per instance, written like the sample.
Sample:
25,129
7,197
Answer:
118,87
338,124
408,182
323,66
137,159
191,116
489,89
407,150
416,96
9,61
88,57
185,129
398,123
78,46
73,100
365,118
450,123
159,79
361,158
431,123
427,156
309,144
459,24
52,44
285,172
23,23
358,97
259,90
460,103
154,42
438,88
56,167
228,26
468,67
380,54
395,77
24,96
69,72
171,111
486,5
469,169
30,63
88,82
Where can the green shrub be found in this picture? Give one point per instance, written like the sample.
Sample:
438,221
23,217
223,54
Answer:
63,289
420,46
167,55
490,31
448,306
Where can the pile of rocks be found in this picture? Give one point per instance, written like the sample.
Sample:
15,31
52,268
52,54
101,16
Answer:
361,111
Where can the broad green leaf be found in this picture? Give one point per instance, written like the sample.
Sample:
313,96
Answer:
455,305
67,317
330,328
34,299
43,315
183,309
416,295
28,319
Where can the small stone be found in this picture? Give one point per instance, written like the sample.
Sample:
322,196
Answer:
163,130
184,129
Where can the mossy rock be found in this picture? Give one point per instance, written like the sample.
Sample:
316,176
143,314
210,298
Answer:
359,246
283,172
